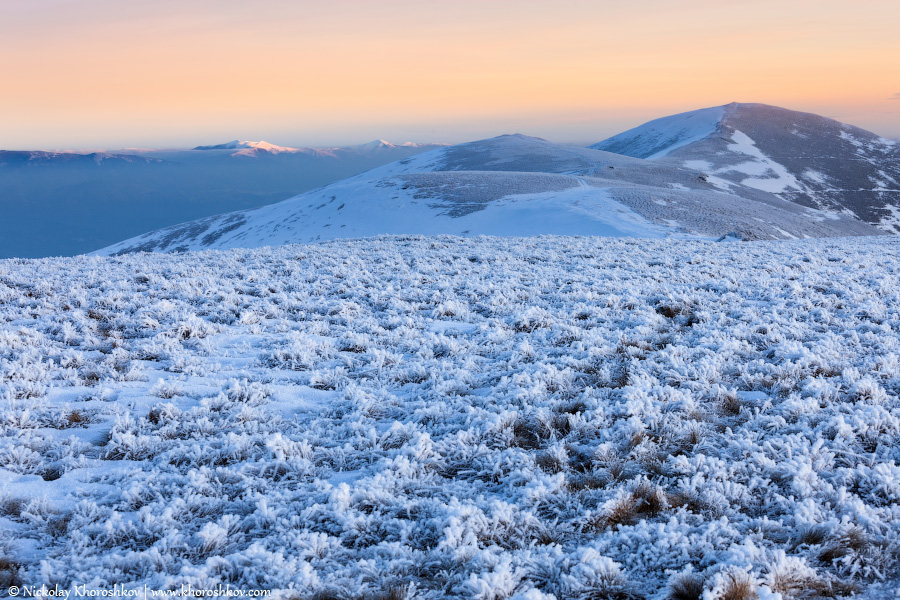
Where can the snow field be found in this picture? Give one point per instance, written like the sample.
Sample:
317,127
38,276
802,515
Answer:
432,417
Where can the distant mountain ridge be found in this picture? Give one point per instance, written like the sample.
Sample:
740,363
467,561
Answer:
13,158
509,185
804,158
247,145
739,171
248,148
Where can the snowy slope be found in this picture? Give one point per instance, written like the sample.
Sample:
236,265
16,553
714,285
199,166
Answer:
67,203
429,203
510,185
661,137
489,418
800,157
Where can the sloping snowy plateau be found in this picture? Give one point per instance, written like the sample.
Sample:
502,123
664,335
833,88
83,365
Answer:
492,418
516,185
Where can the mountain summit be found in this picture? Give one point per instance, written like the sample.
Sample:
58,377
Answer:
251,148
804,158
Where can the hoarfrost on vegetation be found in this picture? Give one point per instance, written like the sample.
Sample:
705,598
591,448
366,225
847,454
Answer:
440,417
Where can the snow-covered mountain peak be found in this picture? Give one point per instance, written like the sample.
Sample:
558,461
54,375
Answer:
261,145
805,158
250,148
374,145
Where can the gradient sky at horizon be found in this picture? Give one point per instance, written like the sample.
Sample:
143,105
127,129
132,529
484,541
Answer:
174,73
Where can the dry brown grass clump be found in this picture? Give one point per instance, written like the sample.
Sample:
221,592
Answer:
683,313
686,586
811,535
793,587
851,540
611,463
52,473
584,481
9,573
738,586
527,434
645,500
688,499
11,507
550,462
76,418
59,526
730,404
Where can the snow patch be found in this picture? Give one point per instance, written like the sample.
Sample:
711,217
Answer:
761,165
815,176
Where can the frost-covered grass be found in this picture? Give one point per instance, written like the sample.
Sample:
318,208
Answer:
444,417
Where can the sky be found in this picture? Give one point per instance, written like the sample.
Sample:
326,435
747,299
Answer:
176,73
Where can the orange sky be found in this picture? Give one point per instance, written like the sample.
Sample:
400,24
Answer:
111,73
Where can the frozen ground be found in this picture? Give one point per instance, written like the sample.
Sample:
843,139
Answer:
457,417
